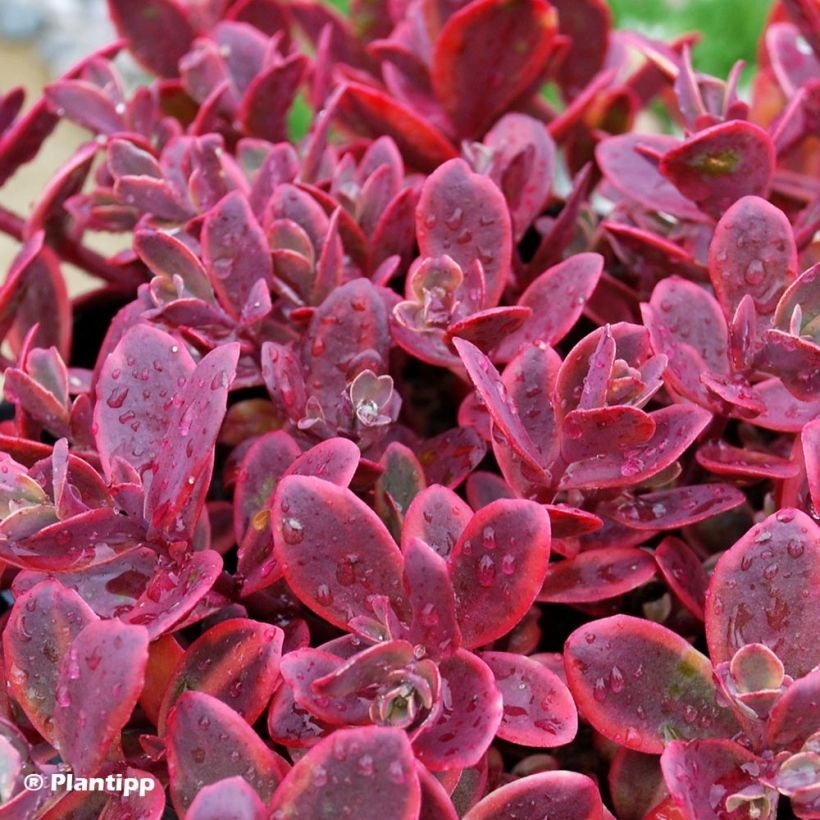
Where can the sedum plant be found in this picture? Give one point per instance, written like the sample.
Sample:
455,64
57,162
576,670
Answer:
458,459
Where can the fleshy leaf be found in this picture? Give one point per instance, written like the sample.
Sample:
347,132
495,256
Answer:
752,252
597,575
464,215
538,708
465,727
642,685
486,55
557,795
684,572
721,164
437,516
796,715
49,616
360,772
207,742
135,395
99,682
236,661
678,507
333,576
231,797
756,593
498,566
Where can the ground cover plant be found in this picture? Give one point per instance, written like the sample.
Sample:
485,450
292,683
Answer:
460,459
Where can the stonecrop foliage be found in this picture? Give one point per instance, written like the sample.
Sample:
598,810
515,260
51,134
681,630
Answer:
461,459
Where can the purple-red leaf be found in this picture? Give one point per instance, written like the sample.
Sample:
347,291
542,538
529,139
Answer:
597,575
684,572
207,742
555,795
437,516
642,685
99,682
497,568
334,576
367,772
231,797
756,594
464,215
719,165
486,55
538,708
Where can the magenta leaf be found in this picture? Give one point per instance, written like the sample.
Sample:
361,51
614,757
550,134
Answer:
430,595
558,795
49,616
703,775
369,110
135,395
159,32
723,459
597,575
332,576
794,718
634,175
721,164
491,388
197,416
464,215
683,571
557,299
586,433
678,507
777,559
173,592
509,44
236,661
334,460
363,772
232,797
451,456
497,568
642,685
207,742
235,251
752,252
437,516
538,708
463,730
676,427
99,681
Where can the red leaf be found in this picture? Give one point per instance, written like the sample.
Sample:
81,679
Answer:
597,575
362,772
701,776
186,452
85,104
676,427
486,55
231,797
236,661
265,107
135,395
723,459
678,507
158,32
752,251
538,708
332,576
173,592
557,299
684,572
207,742
586,433
796,715
372,111
464,729
640,684
587,23
437,516
235,251
756,593
556,795
497,568
464,215
719,165
636,784
49,617
451,456
99,682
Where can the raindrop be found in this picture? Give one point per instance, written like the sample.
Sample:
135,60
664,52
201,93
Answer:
293,531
